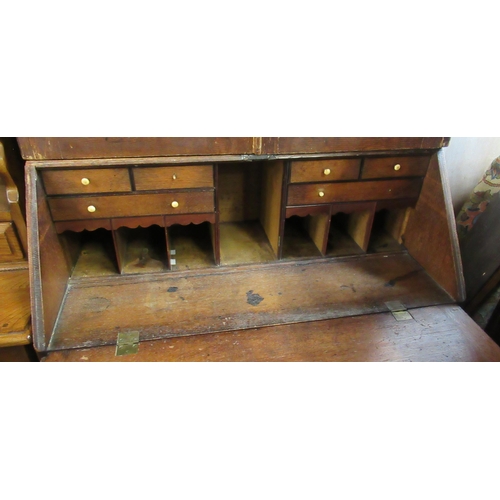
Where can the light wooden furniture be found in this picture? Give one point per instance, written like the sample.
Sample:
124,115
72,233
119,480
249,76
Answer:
146,239
15,328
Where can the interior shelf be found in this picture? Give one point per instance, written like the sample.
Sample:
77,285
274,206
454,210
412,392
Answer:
244,243
348,234
191,246
298,242
249,199
388,226
91,253
141,250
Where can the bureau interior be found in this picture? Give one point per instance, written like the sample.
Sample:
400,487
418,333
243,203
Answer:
106,276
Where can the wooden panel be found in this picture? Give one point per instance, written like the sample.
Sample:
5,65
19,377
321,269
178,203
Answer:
314,170
179,304
317,226
308,194
359,226
395,166
82,225
396,221
431,236
272,182
15,354
179,177
302,211
289,145
15,339
239,190
49,271
59,148
15,301
10,248
105,180
131,205
441,333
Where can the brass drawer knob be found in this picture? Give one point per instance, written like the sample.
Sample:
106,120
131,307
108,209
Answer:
174,177
321,194
327,171
397,166
85,181
91,209
175,204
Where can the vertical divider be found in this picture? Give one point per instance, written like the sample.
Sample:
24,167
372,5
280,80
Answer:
167,242
396,221
270,213
284,194
120,247
360,225
215,228
318,226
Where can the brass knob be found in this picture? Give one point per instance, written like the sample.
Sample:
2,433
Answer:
327,171
175,204
85,181
91,209
321,194
397,166
174,177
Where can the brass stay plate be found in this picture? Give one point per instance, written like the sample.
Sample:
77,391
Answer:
398,310
127,343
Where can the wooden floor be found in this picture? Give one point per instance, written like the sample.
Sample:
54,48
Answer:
173,305
438,333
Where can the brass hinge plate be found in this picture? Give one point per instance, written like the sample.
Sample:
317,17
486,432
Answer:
398,310
127,343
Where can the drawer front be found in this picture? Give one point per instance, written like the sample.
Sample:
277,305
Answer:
181,177
395,166
82,181
324,170
312,194
135,205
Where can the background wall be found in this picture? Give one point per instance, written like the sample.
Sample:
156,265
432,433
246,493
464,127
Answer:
467,158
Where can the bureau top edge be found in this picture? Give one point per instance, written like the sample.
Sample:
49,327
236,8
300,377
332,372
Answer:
192,160
76,148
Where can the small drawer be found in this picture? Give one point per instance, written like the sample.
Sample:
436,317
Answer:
324,170
135,205
395,166
178,177
312,194
82,181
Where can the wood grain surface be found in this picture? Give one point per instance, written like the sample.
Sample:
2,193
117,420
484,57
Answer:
14,300
336,192
104,180
176,304
69,208
176,177
337,144
441,333
58,148
431,235
409,166
314,170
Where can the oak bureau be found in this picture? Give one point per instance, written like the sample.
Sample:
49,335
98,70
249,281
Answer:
142,239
